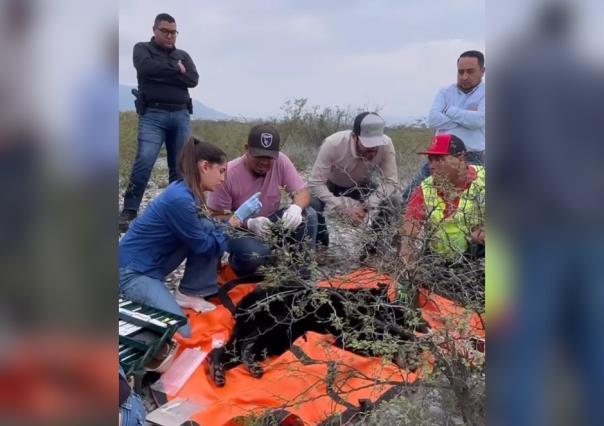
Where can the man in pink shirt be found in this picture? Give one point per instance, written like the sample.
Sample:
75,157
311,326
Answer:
264,169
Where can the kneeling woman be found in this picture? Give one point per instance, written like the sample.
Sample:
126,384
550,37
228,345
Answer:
175,226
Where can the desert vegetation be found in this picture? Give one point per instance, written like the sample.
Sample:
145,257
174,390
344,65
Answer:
451,358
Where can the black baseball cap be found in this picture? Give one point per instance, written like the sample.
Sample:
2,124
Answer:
263,141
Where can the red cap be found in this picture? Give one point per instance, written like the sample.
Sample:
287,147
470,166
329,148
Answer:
445,144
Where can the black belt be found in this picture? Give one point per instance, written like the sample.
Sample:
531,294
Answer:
167,107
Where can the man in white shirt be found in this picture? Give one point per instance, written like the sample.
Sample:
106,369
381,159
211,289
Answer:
355,175
459,109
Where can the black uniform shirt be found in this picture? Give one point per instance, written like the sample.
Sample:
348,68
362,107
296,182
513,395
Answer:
159,77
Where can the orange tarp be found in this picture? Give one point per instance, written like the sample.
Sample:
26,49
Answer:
287,383
438,311
362,278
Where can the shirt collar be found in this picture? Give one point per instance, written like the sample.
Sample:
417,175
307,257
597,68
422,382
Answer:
157,46
471,91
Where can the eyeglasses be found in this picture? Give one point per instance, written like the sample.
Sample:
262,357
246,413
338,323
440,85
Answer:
166,32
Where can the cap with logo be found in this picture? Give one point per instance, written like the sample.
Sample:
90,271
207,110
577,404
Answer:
445,144
263,141
369,127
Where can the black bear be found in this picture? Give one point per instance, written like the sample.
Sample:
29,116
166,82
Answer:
269,319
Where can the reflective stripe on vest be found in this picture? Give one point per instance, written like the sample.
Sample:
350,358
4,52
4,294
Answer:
449,236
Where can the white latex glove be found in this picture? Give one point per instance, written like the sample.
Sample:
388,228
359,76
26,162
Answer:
292,217
259,225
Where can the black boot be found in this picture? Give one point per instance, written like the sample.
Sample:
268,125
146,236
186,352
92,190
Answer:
126,216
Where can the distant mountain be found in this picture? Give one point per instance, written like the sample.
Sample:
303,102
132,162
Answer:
200,111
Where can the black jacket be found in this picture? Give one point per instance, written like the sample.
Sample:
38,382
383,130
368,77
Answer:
159,78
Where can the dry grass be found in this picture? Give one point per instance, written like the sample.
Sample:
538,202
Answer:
302,131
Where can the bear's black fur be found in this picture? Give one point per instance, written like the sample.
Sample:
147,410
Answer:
270,319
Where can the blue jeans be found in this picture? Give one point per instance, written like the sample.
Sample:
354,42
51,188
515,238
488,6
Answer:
473,157
247,254
133,411
201,272
154,127
199,279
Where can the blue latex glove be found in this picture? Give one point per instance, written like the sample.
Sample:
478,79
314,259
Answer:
250,207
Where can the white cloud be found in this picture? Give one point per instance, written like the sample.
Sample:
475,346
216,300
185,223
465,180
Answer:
253,57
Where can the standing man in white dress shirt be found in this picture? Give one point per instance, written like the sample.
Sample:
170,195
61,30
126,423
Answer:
459,109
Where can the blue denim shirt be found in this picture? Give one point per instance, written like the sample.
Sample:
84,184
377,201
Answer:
169,222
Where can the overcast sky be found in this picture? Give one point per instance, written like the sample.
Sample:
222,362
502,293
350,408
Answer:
254,55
